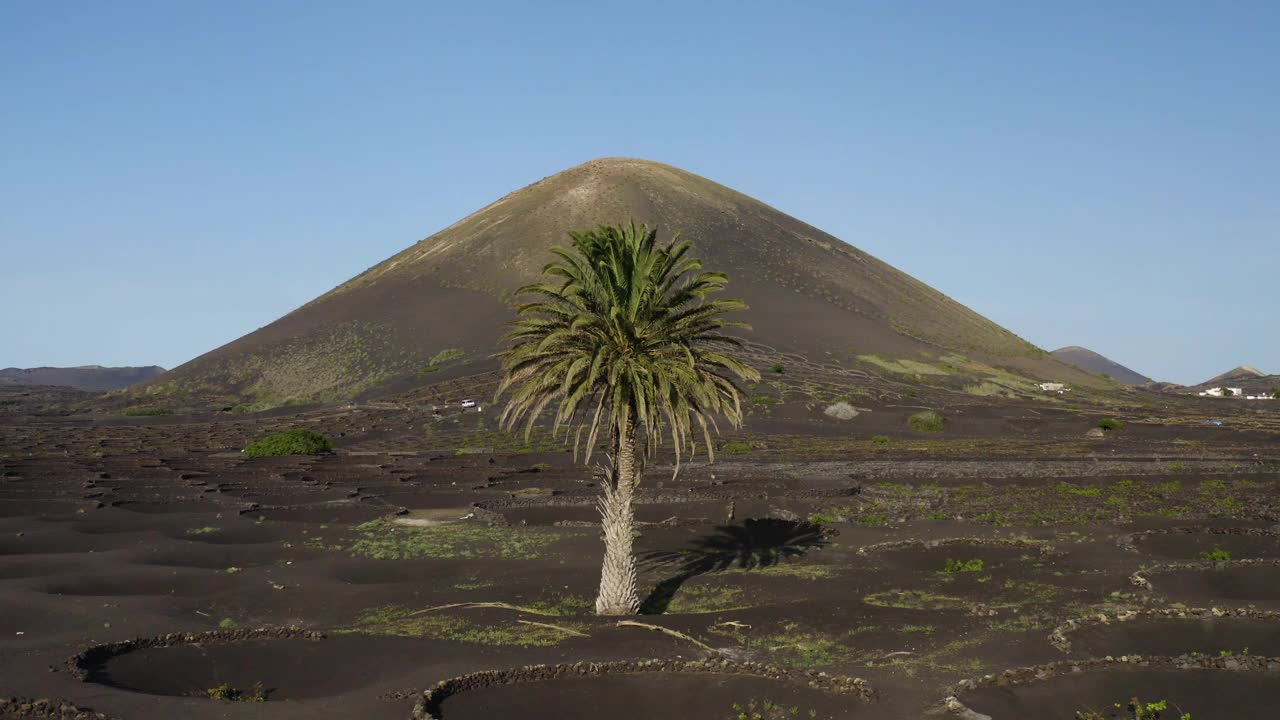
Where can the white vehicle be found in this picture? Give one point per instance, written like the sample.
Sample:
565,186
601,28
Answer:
468,404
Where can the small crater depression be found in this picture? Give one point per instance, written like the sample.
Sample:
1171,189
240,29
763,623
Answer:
1186,545
1218,584
1215,636
276,668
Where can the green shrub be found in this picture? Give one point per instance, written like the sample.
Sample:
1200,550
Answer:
962,566
777,368
880,440
231,693
734,447
1217,554
298,441
146,411
1109,424
927,421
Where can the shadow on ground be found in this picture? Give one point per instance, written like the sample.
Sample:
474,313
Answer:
756,543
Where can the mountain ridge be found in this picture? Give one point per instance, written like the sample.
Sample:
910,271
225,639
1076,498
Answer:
83,377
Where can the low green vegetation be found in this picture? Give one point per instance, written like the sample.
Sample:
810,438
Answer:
1109,424
973,565
384,540
903,366
226,691
441,358
1217,554
735,447
299,441
228,624
953,658
777,368
794,645
206,530
146,411
914,600
707,598
1060,503
880,440
561,605
927,421
767,710
401,621
1135,709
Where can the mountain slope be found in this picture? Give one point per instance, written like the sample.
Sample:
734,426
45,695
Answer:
438,308
88,377
1097,364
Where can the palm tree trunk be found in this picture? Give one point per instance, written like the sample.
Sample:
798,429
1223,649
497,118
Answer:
618,594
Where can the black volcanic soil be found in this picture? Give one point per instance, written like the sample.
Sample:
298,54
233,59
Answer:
113,530
648,695
1205,694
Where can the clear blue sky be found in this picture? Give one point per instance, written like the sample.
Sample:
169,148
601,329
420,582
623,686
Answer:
174,175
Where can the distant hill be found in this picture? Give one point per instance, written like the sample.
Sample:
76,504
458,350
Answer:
438,309
88,377
1242,374
1250,379
1097,364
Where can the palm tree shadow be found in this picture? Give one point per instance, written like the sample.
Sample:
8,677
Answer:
756,543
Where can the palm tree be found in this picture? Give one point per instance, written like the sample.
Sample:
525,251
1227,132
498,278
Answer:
621,337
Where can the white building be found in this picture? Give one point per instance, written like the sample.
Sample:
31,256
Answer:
1222,392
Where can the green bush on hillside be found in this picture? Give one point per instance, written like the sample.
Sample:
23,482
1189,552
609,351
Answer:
298,441
1109,424
146,411
927,421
